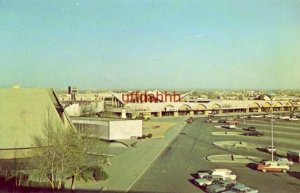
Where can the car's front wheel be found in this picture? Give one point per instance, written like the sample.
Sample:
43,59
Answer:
264,170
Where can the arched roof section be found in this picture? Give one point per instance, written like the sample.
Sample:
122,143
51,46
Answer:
227,105
277,104
287,104
168,108
266,105
254,105
200,107
185,107
215,106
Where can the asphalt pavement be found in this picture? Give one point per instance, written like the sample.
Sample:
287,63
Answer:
175,168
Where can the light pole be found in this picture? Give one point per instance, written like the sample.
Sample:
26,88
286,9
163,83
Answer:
244,112
272,126
272,133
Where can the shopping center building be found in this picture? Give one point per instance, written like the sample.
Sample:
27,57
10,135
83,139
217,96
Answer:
116,106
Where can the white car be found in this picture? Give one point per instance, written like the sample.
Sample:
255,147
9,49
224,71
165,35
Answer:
293,119
226,173
285,161
284,117
269,149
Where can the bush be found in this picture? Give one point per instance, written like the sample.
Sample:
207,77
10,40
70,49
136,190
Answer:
87,175
94,173
99,173
144,136
149,135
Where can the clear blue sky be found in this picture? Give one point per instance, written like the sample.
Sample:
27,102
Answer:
150,44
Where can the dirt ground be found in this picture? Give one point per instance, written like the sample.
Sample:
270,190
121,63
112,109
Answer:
157,128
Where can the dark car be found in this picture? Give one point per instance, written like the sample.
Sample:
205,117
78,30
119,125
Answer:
250,128
190,120
220,186
222,120
253,133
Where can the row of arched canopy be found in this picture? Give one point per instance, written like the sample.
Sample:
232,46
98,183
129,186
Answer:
212,106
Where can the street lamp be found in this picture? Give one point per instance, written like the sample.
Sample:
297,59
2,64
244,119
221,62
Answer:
245,110
272,133
272,129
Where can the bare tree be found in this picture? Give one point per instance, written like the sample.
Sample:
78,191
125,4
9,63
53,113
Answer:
61,154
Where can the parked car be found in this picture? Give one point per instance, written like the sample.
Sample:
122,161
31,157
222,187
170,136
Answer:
293,119
251,128
220,186
249,117
269,149
190,120
229,126
253,133
257,116
232,122
208,180
293,155
271,120
284,161
209,120
222,120
272,166
284,117
241,188
268,116
226,173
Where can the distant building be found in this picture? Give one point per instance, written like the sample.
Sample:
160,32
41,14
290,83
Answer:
137,104
114,106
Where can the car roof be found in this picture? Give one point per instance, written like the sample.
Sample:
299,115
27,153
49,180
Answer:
275,162
240,186
221,170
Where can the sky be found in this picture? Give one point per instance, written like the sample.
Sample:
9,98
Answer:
126,44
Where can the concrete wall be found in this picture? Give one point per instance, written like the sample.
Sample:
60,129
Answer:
125,129
108,130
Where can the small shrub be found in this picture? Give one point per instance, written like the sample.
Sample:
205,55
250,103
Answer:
144,136
86,175
99,173
149,135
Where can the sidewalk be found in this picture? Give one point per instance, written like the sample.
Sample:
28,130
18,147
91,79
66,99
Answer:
129,166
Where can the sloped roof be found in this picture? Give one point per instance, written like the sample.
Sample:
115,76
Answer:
117,96
23,113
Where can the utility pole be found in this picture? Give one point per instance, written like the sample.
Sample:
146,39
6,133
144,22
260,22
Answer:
272,133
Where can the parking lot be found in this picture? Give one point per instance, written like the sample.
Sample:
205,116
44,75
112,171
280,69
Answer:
175,168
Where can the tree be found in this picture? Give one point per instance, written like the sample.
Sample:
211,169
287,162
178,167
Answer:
212,95
61,153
